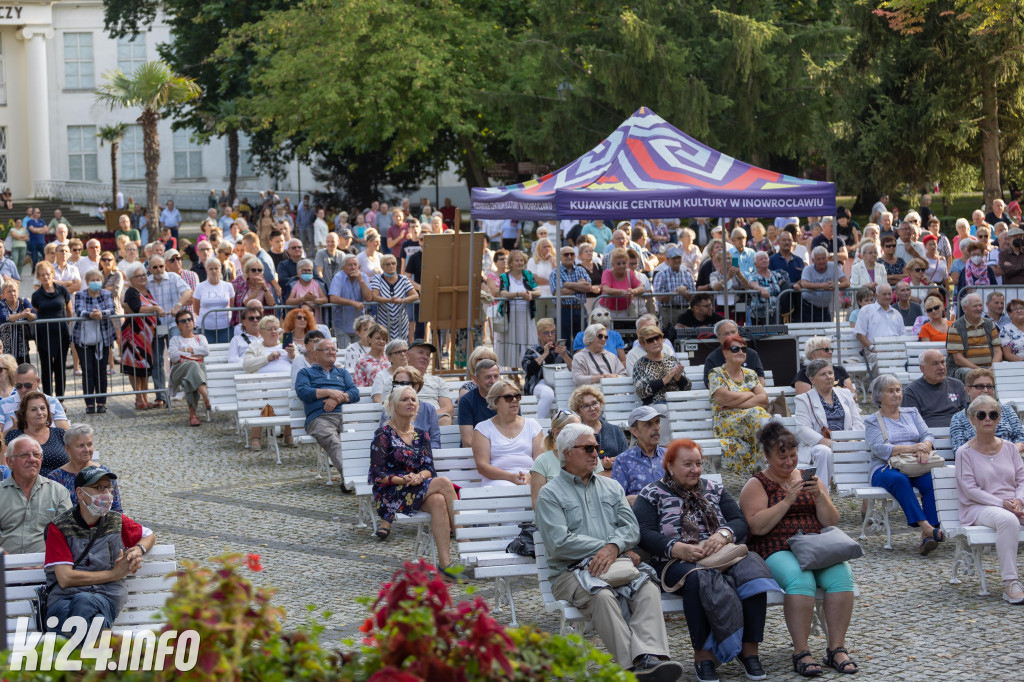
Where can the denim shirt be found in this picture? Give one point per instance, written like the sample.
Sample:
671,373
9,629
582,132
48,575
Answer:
314,377
634,470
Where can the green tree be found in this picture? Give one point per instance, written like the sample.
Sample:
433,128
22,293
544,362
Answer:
990,58
153,86
112,135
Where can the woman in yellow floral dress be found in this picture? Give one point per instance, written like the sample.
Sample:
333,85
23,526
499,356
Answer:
738,403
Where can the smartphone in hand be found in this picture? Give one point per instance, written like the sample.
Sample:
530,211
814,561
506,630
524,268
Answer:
809,473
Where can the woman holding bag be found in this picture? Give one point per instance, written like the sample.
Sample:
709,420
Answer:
684,519
776,503
819,412
897,433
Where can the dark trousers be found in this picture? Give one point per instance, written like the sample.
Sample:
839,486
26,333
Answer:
36,252
94,371
572,323
52,342
812,313
508,244
754,608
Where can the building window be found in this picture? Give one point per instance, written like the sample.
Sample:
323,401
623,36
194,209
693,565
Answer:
3,74
82,153
131,53
133,164
78,69
3,155
245,167
188,156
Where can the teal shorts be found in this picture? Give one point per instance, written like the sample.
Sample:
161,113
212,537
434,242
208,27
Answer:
794,580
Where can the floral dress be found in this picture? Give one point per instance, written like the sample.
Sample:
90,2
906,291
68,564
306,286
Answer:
392,456
1012,338
736,429
367,368
12,335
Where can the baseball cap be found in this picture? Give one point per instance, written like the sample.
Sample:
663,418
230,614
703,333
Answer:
422,342
345,233
673,252
644,413
92,474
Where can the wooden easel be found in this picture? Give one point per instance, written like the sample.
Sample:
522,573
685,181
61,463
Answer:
447,287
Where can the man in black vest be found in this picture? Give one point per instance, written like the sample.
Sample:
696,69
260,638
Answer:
90,551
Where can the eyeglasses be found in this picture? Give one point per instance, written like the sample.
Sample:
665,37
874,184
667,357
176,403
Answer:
917,269
991,415
983,387
401,383
590,406
157,267
173,258
77,250
889,245
101,489
659,339
933,308
253,318
827,349
186,320
738,349
602,336
512,397
33,455
589,449
255,269
106,260
26,387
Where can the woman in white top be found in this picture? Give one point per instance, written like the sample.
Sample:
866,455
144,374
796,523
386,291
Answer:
266,356
187,352
823,409
369,260
594,362
867,271
543,261
131,257
505,445
691,252
246,332
214,294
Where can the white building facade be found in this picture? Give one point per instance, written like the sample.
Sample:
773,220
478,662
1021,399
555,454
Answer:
53,56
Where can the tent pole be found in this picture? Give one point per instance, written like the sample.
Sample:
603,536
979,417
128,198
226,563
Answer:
469,306
726,263
835,291
558,276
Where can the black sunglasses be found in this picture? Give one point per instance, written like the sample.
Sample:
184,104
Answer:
983,387
27,386
738,349
512,397
991,415
827,349
589,449
933,308
401,383
253,318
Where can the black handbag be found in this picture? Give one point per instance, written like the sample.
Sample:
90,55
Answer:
523,544
39,602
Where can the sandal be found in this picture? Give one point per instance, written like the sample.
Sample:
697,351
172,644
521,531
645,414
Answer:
141,404
193,419
937,535
802,668
928,545
382,533
255,445
842,667
157,404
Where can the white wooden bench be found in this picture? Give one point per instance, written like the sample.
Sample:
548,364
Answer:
1010,384
148,590
220,383
619,399
571,619
486,521
971,541
254,393
218,353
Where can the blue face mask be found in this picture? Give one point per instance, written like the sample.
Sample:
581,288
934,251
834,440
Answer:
95,286
306,277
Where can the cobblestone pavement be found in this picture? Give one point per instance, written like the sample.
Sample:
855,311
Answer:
198,490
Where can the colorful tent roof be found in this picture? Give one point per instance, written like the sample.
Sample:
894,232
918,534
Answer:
649,169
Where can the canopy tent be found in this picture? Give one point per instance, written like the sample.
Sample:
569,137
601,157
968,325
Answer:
647,168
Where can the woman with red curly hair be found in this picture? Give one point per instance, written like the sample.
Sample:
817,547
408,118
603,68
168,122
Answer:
738,404
297,323
684,518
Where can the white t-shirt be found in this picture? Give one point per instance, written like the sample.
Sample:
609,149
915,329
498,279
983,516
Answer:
84,265
124,265
282,364
540,269
211,297
367,267
510,454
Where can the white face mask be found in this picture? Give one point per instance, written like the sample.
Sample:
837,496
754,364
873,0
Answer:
100,504
977,260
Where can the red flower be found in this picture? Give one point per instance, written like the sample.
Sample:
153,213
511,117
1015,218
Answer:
253,562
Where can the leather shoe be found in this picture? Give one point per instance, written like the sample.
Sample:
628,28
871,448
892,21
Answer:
705,671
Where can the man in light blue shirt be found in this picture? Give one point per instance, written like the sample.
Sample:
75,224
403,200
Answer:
26,379
170,217
349,289
8,267
641,464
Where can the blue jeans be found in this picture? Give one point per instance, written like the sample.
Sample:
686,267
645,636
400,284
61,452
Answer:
88,605
901,487
812,313
36,252
159,375
218,335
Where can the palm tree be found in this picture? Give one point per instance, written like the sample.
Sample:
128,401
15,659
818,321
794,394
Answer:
113,135
153,87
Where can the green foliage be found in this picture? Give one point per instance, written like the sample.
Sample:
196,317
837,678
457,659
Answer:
152,86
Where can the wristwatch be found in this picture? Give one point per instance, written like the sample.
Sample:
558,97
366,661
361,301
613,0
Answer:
725,534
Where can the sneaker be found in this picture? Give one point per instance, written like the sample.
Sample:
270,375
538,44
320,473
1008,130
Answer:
653,670
752,667
1014,592
705,671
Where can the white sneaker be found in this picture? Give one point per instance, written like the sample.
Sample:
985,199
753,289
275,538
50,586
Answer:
1014,592
180,395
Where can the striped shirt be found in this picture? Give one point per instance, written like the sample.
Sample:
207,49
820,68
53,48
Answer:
978,350
667,280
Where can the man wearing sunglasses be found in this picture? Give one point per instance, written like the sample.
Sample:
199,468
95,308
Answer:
716,358
583,546
936,396
26,379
